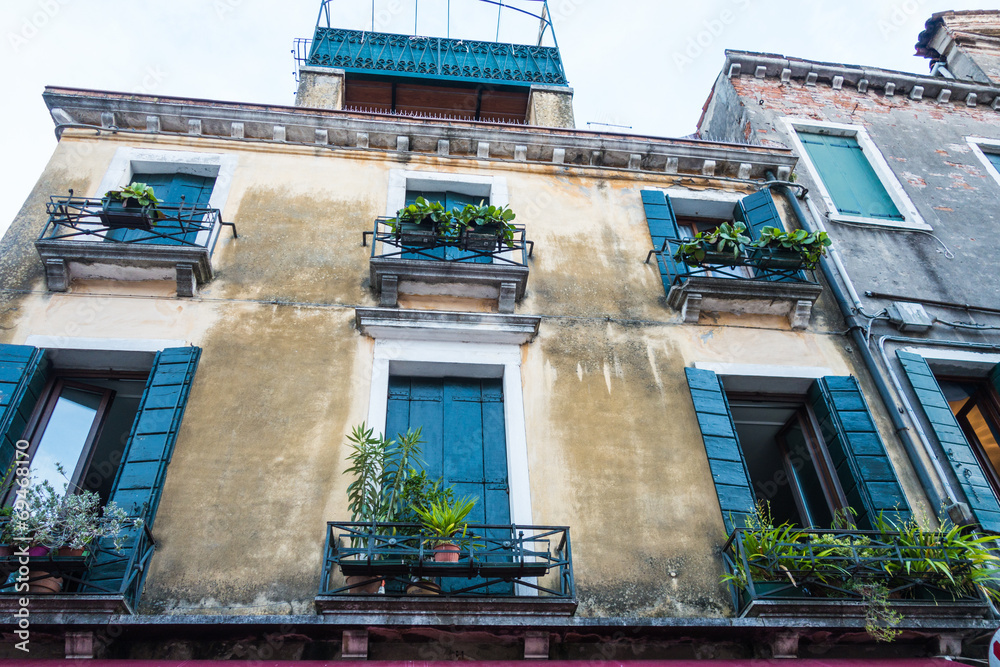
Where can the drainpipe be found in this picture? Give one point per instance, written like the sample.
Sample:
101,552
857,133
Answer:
857,333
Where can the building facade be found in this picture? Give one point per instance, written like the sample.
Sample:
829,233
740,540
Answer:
616,412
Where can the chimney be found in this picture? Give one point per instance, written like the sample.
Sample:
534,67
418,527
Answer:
967,43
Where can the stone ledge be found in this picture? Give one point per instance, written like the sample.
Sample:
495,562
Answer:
443,608
915,611
87,608
732,295
65,260
438,325
392,276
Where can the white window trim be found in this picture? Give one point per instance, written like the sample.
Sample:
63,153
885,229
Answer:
911,218
439,359
694,204
761,377
956,361
977,144
121,354
128,161
493,188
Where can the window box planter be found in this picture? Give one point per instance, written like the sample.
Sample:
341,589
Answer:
722,259
126,214
483,238
415,234
776,258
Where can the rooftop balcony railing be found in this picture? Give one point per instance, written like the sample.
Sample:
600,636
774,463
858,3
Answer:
436,58
492,561
819,570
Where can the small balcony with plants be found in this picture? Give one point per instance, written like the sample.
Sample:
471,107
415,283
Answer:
900,569
65,552
471,252
409,547
724,270
128,234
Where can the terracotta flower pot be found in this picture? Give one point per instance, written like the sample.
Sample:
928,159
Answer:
425,587
354,582
45,583
66,551
446,553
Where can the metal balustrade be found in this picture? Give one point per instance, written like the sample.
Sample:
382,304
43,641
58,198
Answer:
536,559
387,243
762,264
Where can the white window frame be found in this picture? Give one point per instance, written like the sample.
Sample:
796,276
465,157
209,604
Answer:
977,144
493,188
911,217
128,161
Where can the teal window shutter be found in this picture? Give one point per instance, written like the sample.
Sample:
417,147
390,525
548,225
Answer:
862,465
22,378
849,176
725,456
994,159
994,376
662,225
169,189
757,211
963,461
451,201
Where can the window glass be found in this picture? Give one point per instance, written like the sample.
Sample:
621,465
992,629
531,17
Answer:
66,434
975,409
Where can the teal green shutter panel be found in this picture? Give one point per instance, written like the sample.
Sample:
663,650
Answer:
725,456
22,379
757,211
857,451
451,201
169,189
963,461
994,159
849,177
140,477
994,375
662,225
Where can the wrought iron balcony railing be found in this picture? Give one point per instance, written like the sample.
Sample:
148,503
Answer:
762,264
832,565
388,244
492,561
438,58
100,572
175,224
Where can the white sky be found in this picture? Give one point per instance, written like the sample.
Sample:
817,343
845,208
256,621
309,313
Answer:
648,64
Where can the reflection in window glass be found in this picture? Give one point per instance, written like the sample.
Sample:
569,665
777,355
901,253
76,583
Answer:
65,435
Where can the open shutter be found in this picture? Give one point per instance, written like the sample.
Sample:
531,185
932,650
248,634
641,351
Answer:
725,457
994,378
963,461
662,225
757,211
22,378
140,477
858,453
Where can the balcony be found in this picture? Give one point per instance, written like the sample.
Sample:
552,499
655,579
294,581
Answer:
393,568
760,283
102,581
456,267
817,574
81,240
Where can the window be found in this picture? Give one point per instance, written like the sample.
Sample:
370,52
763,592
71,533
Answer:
964,414
855,181
988,152
451,201
807,445
174,190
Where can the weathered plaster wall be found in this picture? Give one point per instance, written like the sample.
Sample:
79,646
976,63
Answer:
613,446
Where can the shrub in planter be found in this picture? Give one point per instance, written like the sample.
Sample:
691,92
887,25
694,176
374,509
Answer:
477,227
133,207
443,521
484,226
780,249
722,245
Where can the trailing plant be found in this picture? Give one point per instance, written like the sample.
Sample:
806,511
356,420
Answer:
810,246
727,237
444,519
880,618
140,192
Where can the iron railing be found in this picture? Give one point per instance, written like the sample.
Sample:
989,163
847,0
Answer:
440,58
387,243
763,264
840,564
101,571
493,561
84,219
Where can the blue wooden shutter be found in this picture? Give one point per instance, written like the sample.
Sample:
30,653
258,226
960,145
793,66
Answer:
994,376
849,177
451,201
963,461
22,378
856,449
757,211
994,158
725,456
662,225
169,189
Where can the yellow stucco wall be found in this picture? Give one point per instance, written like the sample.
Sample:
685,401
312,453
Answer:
613,447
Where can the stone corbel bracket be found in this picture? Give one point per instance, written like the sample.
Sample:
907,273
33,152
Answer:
697,293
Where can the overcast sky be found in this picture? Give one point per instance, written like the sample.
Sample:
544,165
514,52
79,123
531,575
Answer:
648,64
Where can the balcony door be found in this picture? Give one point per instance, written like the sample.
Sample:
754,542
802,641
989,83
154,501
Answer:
451,201
464,443
169,188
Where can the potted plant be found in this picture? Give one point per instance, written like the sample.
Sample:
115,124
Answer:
721,246
132,207
442,521
421,223
485,226
798,249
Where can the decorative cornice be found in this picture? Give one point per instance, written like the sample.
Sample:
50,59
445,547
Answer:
933,89
117,112
393,323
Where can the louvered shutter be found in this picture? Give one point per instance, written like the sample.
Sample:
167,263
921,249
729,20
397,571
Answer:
662,225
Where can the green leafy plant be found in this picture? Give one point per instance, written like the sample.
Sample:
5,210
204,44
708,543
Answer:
487,219
810,246
881,620
449,224
381,468
444,519
141,193
727,237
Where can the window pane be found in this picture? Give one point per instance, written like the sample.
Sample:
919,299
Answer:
995,159
65,435
985,435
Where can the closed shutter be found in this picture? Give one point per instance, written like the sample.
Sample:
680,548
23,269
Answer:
725,456
22,378
849,177
994,159
170,189
140,477
963,461
857,451
451,201
662,225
